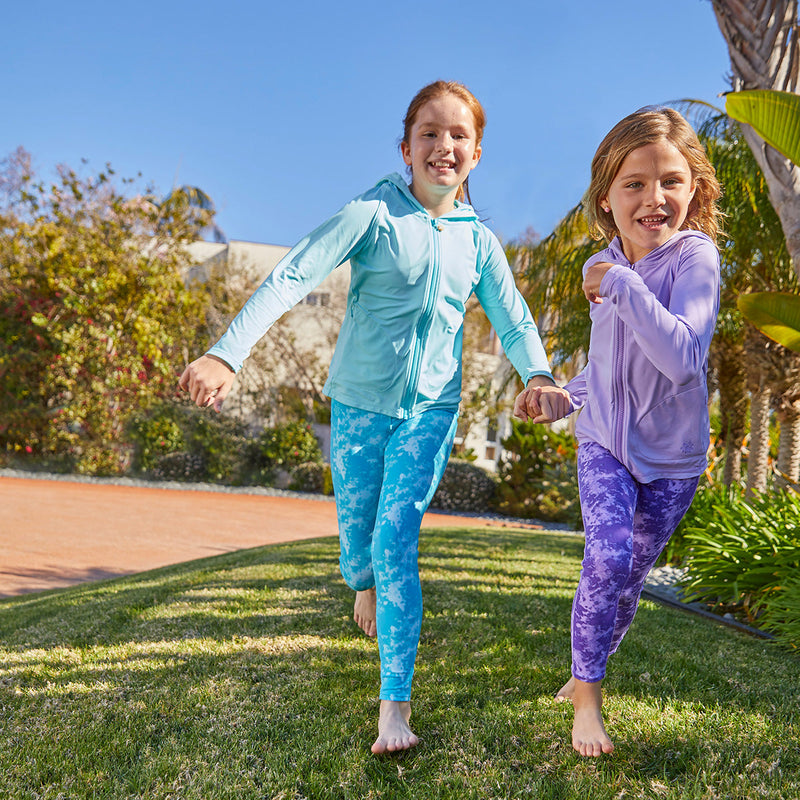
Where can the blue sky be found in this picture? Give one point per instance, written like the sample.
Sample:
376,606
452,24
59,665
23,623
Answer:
283,111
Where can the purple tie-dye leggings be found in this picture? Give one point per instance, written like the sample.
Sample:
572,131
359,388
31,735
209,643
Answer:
627,525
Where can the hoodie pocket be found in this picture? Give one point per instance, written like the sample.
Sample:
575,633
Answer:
364,354
676,428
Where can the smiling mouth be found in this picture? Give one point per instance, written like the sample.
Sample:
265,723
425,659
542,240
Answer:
653,222
442,164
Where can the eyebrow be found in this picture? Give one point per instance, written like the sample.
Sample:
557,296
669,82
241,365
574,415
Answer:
628,176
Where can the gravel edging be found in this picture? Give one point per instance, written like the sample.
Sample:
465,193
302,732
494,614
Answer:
172,485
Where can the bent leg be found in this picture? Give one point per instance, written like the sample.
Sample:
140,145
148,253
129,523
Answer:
358,441
660,507
608,498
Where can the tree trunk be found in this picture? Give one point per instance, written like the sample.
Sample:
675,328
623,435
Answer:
733,464
764,51
788,447
728,362
758,460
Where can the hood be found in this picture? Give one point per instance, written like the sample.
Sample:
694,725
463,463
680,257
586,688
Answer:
462,211
615,254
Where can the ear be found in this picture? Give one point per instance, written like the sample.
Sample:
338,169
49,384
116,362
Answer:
405,151
604,204
476,157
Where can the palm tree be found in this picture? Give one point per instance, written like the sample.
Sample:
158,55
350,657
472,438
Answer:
763,45
754,257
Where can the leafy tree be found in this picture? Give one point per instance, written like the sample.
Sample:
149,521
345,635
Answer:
95,315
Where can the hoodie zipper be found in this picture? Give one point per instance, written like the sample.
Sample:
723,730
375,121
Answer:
426,317
618,387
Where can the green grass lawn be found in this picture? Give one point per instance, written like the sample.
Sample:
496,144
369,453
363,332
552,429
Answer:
243,676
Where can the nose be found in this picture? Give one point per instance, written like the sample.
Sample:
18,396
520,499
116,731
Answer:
445,143
657,194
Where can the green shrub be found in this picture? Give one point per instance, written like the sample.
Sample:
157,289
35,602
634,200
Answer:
782,614
220,442
308,477
740,553
538,475
175,440
464,487
155,435
282,448
180,466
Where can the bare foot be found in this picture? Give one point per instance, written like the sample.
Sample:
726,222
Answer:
364,611
394,733
566,691
589,735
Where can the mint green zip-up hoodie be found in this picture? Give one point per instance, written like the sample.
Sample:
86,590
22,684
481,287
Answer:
399,347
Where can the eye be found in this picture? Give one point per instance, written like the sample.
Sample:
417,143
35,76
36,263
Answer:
633,185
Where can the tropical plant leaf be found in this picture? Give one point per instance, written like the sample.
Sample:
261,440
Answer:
775,314
775,117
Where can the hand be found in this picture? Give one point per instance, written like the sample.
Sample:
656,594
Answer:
592,280
208,380
542,402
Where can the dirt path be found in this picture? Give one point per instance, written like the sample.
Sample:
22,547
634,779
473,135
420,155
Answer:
57,533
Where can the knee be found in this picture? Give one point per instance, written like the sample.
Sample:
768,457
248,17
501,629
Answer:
609,563
357,578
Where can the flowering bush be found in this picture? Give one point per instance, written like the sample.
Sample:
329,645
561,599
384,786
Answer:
155,437
94,314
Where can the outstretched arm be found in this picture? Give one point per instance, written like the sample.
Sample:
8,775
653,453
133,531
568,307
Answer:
208,380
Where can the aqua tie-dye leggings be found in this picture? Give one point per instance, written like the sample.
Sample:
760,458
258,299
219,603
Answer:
627,525
385,472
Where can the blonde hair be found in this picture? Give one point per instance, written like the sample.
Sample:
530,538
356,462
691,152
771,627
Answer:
643,127
438,89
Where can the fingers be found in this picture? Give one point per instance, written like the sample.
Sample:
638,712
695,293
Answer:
219,397
547,412
526,406
554,403
207,382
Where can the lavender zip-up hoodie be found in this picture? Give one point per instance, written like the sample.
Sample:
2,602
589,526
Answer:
643,392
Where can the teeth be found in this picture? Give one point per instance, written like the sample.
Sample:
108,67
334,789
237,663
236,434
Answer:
651,220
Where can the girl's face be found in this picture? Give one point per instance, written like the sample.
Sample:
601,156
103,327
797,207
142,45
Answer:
649,197
441,151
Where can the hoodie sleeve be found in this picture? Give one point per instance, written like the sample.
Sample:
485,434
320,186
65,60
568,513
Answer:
296,274
675,338
578,391
509,313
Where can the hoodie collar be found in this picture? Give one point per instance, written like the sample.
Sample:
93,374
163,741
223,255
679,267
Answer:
462,211
618,255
